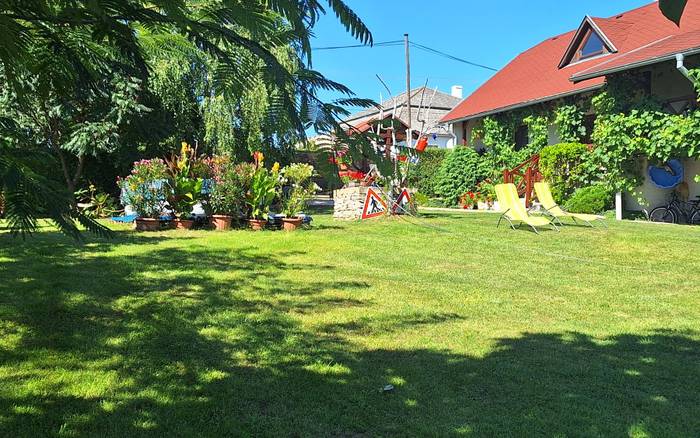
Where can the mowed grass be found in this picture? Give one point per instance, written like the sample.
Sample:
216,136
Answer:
481,331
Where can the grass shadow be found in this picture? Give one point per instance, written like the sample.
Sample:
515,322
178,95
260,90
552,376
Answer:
206,342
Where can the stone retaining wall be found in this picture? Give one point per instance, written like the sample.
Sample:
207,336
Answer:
348,203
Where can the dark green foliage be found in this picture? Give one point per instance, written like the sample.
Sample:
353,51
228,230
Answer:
673,9
569,122
591,199
460,173
562,167
424,176
82,69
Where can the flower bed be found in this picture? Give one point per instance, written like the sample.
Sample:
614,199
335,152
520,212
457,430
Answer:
228,193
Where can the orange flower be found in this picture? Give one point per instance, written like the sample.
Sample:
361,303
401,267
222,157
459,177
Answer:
259,158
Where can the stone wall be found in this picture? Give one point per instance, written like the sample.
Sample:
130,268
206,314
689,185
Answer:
348,203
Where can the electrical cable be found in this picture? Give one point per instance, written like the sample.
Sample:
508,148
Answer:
381,44
396,43
452,57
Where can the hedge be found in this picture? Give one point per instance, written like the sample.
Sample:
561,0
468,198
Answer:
460,173
562,167
423,176
591,199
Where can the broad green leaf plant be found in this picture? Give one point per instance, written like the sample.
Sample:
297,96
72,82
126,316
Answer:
263,189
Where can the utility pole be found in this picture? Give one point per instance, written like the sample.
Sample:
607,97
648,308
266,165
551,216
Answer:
409,134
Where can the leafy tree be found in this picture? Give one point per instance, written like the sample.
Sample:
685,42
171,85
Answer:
78,45
673,9
74,126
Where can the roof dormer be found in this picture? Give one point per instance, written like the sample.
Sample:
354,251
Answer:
588,42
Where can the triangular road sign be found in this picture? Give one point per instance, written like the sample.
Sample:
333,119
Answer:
374,205
402,202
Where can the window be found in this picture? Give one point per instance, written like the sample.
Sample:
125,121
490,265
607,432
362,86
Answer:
521,137
592,45
588,124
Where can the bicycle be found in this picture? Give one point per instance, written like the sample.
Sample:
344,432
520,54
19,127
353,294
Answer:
675,209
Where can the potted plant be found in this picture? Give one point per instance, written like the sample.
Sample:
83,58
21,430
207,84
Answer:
488,193
185,195
187,182
146,190
468,200
262,193
227,196
300,188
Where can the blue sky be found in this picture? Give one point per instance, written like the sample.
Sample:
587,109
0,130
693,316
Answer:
488,32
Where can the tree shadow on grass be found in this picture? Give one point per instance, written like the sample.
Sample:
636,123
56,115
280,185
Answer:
144,347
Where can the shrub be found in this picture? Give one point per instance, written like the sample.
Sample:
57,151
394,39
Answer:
146,189
263,188
461,172
562,167
591,199
300,188
423,177
231,182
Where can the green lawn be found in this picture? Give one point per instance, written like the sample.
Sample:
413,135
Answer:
481,331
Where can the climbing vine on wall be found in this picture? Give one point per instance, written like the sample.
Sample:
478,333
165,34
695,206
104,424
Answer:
569,122
630,128
537,132
498,134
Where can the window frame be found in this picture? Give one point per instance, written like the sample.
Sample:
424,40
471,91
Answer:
579,56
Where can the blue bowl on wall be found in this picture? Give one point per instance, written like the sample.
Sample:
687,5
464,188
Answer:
667,177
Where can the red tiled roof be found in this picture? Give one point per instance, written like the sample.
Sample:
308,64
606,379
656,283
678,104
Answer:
639,35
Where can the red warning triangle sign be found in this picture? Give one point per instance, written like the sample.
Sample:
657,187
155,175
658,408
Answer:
374,205
402,202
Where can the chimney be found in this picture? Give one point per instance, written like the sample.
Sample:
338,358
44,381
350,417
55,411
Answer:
457,91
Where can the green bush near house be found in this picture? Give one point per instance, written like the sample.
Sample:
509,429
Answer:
562,167
591,199
424,175
461,172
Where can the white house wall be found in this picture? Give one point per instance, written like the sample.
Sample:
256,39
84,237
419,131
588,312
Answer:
442,141
655,196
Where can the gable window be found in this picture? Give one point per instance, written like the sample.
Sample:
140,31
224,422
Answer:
588,42
592,45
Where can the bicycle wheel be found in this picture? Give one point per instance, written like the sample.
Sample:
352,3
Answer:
663,214
695,218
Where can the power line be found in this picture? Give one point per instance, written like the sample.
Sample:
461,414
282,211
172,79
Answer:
452,57
382,44
397,43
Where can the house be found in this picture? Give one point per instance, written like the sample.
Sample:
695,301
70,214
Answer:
577,64
428,107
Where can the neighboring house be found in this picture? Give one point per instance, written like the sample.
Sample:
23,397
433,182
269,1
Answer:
426,112
577,63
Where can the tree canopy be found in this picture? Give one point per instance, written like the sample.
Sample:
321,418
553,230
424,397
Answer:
76,72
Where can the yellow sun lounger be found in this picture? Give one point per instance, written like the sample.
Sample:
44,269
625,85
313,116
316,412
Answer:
514,211
544,195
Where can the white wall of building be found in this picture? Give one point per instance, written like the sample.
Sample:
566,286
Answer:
654,196
442,141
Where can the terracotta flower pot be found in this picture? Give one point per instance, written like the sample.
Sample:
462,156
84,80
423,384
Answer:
183,224
147,224
291,223
257,224
221,222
